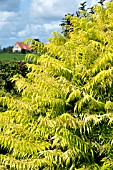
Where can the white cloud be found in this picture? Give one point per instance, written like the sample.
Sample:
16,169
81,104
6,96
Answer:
6,15
22,33
9,22
51,26
30,29
51,10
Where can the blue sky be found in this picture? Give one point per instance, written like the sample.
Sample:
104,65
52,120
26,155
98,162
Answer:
21,19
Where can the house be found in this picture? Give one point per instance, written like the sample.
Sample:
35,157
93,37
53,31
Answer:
21,47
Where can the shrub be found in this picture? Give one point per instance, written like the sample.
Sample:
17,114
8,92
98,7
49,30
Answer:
7,70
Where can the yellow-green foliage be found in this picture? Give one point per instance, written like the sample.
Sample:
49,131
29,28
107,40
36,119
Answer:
63,117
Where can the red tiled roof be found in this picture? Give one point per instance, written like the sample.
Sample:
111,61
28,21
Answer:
23,46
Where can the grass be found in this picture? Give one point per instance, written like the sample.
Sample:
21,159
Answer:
12,56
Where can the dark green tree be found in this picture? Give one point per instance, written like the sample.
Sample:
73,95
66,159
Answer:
83,5
66,25
101,2
7,49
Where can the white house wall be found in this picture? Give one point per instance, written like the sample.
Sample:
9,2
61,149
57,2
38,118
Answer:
16,48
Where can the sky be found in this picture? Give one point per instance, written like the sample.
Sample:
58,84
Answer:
21,19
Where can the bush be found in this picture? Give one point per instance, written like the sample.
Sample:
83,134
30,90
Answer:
7,70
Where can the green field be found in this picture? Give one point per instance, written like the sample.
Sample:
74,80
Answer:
11,56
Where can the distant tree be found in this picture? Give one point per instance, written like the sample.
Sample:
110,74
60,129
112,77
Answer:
66,25
83,5
82,10
66,21
4,50
0,49
8,49
101,2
